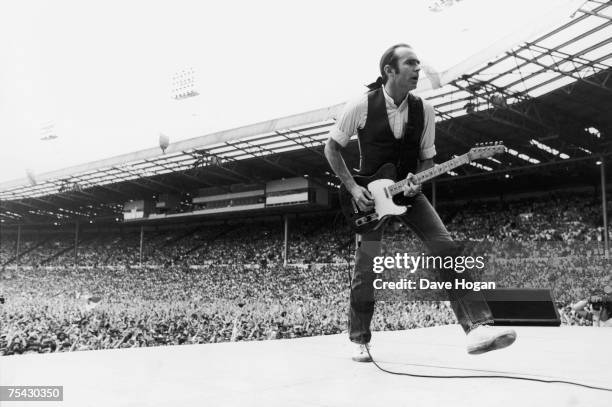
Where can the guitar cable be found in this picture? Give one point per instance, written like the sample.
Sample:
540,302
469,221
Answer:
485,377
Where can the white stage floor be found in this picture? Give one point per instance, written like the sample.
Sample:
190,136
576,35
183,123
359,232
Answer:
318,371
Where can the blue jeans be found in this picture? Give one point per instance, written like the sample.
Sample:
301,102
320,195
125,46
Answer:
470,307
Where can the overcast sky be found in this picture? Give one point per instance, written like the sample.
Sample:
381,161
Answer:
101,71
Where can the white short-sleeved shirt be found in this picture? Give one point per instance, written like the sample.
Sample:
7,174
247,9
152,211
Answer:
355,113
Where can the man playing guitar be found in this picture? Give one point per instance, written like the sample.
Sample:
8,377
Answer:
394,126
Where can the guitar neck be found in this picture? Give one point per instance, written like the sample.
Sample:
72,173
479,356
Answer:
433,172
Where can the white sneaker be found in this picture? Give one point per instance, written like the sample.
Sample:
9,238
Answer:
485,338
360,353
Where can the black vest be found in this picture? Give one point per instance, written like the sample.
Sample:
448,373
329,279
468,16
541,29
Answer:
378,145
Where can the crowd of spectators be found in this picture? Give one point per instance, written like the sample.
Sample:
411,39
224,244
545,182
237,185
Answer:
227,282
311,240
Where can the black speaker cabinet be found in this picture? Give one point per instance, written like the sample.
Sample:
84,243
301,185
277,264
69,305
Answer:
523,306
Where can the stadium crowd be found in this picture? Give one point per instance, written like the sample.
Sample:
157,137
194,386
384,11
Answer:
226,282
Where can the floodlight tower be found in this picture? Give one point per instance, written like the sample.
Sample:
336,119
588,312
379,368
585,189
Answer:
47,132
184,84
184,90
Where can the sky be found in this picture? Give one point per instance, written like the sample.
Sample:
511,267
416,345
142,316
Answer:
100,71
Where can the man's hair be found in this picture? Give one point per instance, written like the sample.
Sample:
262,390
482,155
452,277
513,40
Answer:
389,57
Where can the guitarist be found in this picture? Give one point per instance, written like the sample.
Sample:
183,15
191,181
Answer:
394,126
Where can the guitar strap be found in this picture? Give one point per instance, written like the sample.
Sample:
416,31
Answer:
410,145
410,141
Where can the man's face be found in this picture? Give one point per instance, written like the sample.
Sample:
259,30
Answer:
406,75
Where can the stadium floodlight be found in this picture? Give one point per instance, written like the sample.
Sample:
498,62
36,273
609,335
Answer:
441,5
47,132
480,166
523,156
184,84
544,147
593,131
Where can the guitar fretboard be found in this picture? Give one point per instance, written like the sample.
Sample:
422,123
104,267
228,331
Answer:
433,172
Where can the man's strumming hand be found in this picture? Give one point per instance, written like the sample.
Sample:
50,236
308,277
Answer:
363,198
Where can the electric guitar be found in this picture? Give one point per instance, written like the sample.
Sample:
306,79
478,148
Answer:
388,195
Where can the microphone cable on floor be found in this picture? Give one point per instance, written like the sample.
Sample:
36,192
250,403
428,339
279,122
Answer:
485,377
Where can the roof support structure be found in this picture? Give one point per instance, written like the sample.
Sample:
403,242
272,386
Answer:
149,180
528,168
594,13
218,163
565,26
301,143
601,85
263,158
486,91
117,191
185,174
527,115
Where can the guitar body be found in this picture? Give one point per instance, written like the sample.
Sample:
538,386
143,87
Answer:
385,205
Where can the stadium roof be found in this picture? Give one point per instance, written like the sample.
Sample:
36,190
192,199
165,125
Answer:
509,97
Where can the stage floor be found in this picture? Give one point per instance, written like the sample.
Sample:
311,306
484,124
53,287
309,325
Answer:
318,371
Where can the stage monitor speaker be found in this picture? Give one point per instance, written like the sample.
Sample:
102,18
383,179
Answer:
523,306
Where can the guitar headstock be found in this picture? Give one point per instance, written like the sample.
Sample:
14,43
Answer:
484,150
